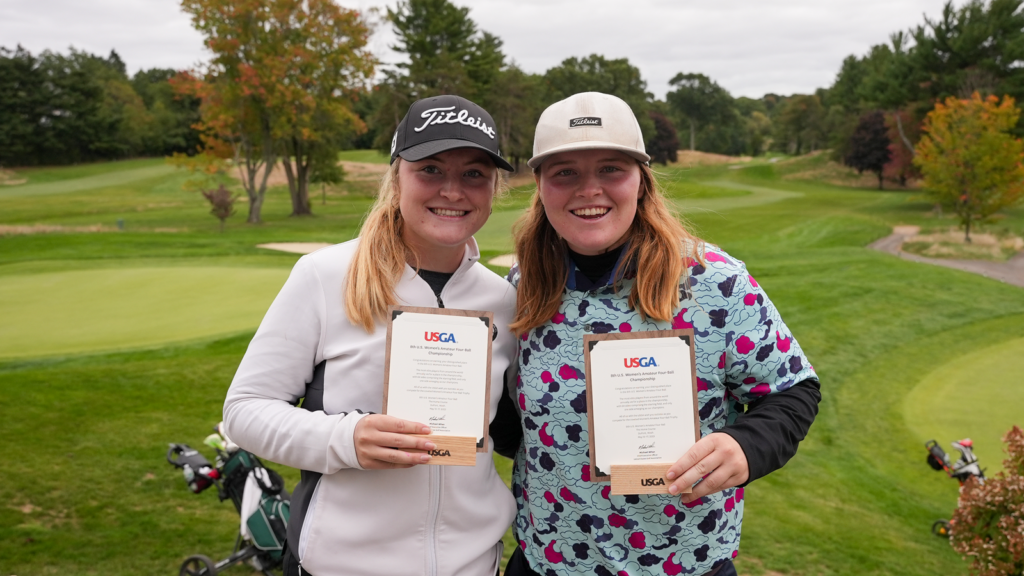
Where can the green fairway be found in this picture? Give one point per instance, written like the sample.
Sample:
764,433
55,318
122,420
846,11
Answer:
905,352
108,309
978,395
86,182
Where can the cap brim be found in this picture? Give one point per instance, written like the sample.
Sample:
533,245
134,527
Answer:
427,149
588,145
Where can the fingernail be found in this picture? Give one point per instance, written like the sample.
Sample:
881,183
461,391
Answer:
425,430
431,445
424,458
671,474
673,489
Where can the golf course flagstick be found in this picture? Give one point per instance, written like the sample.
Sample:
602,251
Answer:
437,366
641,407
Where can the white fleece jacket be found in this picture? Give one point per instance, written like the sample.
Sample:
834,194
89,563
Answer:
429,520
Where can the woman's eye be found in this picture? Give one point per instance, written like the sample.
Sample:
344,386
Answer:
474,173
610,169
431,169
566,172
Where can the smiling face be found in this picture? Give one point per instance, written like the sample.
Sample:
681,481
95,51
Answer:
590,197
444,200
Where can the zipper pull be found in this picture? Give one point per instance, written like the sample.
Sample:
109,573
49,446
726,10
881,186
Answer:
440,303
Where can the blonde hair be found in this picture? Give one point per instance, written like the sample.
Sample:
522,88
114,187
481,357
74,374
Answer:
657,244
381,255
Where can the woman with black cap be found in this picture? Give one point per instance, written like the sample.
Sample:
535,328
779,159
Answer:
364,505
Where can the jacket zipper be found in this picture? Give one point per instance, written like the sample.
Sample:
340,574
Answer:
432,517
458,272
435,471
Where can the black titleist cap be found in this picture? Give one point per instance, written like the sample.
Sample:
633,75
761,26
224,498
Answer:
442,123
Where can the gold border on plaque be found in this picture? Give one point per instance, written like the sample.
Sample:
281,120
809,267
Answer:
454,444
597,475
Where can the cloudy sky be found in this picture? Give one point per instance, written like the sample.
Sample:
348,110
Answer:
750,47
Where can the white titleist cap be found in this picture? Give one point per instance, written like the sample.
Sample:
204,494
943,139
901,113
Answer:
587,121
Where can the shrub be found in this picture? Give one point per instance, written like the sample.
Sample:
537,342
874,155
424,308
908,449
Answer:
988,525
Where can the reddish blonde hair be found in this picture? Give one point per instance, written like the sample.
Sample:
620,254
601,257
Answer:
657,244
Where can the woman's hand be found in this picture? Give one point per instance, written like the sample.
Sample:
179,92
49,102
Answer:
380,441
718,459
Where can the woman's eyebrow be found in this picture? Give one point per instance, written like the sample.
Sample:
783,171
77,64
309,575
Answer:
561,163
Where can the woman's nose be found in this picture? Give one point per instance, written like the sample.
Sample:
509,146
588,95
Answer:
452,188
589,186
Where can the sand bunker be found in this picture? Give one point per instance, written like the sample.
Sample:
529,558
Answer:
698,158
295,247
353,171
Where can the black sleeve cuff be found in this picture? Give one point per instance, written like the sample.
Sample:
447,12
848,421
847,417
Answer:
506,429
773,426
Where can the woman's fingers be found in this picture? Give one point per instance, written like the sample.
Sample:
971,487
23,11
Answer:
717,460
691,466
380,441
387,423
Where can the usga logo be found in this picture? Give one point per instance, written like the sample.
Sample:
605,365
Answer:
639,362
439,453
439,337
652,482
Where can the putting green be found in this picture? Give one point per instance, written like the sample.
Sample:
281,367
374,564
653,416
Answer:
96,310
978,396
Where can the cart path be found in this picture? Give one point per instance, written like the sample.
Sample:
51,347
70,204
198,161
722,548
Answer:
1010,272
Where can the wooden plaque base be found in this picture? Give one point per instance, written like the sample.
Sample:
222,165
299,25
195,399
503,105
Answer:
640,478
451,450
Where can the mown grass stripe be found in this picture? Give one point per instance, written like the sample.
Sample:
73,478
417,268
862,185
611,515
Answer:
84,183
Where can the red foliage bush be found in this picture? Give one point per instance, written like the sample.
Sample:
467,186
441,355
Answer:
988,525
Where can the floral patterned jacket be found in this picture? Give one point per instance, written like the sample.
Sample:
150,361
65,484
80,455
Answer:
567,525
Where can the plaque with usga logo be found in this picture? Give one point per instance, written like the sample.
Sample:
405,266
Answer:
641,407
437,371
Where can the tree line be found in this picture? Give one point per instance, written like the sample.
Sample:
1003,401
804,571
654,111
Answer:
78,107
292,82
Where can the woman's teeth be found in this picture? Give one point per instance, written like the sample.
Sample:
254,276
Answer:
444,212
590,211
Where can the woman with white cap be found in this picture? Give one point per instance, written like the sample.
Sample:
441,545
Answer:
599,251
365,504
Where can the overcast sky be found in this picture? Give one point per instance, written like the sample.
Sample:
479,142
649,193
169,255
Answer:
750,47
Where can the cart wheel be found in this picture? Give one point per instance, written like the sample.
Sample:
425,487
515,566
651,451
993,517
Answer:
941,528
198,565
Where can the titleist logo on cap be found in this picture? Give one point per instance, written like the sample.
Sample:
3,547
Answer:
584,121
449,116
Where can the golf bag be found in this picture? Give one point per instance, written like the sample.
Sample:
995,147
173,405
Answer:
965,467
259,497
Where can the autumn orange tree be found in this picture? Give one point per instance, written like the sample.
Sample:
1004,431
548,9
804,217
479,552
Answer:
970,162
279,87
